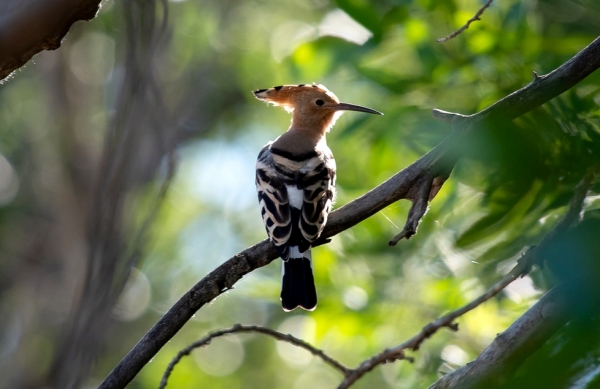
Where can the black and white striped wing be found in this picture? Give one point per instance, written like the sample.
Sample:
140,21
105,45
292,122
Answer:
318,186
274,202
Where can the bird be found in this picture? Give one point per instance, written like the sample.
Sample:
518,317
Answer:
295,183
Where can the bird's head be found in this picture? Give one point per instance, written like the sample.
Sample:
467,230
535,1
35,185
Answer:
312,105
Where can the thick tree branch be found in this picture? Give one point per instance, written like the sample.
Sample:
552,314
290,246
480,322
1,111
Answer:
496,364
438,161
30,26
476,17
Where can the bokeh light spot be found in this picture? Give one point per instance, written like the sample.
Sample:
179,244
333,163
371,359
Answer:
302,327
222,357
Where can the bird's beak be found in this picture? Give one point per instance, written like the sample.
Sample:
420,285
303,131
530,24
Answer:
358,108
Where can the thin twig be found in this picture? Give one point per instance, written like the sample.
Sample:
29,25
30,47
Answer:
576,204
238,328
474,18
447,320
447,117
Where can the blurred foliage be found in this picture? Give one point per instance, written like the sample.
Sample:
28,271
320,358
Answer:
505,195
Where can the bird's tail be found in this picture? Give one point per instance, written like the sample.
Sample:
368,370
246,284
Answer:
298,284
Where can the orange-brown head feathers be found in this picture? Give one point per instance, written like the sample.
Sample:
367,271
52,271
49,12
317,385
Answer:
313,106
291,97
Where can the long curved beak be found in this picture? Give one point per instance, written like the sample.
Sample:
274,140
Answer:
358,108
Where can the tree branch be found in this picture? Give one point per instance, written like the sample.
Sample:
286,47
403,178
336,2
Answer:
414,343
438,161
570,218
238,328
546,87
499,360
523,266
417,210
30,26
497,363
467,24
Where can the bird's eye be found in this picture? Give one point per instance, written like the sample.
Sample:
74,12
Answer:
319,102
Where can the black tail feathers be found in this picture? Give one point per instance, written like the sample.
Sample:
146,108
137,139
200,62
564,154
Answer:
298,285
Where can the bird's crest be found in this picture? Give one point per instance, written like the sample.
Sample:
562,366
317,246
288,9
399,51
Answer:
286,96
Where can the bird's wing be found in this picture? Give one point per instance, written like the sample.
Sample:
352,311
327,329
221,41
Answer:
319,192
274,202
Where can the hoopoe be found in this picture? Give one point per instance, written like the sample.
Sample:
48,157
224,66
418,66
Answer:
295,180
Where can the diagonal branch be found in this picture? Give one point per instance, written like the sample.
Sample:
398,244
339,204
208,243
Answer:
427,331
437,161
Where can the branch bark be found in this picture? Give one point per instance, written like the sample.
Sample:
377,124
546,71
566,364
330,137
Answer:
498,362
238,328
437,162
496,365
30,26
